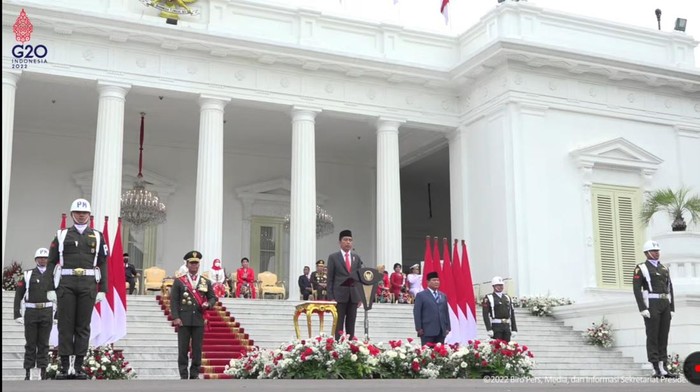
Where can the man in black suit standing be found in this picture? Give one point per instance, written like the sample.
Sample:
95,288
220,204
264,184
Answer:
130,274
305,284
190,297
430,313
341,285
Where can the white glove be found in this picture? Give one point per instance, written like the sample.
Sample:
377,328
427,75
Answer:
100,297
490,333
513,334
51,296
20,320
672,314
645,313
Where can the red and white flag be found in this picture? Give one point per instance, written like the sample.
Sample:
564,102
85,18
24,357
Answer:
443,9
428,265
447,285
469,325
104,309
117,286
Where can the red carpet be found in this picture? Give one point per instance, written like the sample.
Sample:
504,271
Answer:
224,339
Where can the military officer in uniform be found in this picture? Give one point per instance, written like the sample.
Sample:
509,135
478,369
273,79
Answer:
319,281
499,314
38,313
653,291
78,261
190,297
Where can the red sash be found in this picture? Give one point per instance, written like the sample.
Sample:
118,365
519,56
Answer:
201,300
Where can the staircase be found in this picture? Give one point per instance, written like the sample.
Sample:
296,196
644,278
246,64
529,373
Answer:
151,344
224,339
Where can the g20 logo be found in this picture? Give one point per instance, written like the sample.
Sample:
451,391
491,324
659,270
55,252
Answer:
29,51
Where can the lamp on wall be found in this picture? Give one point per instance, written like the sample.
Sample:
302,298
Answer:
141,207
680,24
324,223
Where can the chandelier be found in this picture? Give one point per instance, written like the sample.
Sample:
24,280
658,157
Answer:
324,223
141,207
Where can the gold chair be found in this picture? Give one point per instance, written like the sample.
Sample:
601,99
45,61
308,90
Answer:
270,285
153,278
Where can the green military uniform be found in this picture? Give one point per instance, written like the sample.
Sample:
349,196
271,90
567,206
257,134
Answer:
659,292
77,291
316,280
185,306
499,315
38,317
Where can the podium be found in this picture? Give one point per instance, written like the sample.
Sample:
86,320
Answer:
315,307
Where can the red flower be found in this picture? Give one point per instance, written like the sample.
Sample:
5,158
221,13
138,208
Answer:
415,366
335,355
410,340
354,349
373,350
484,363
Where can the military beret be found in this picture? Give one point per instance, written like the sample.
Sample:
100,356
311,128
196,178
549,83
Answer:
344,233
320,262
432,275
193,257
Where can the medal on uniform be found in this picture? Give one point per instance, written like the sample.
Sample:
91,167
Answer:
186,294
184,301
92,250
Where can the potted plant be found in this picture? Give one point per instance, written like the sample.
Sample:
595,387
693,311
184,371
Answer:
675,203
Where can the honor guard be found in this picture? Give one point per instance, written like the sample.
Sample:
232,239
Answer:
78,261
499,314
38,313
653,291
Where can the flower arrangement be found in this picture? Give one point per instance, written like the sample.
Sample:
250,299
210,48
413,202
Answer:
101,363
324,357
11,275
540,306
600,334
675,366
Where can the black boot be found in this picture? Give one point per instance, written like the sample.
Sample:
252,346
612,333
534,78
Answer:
43,373
27,375
668,372
79,372
657,371
65,364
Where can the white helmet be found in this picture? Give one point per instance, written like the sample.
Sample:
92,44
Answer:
80,205
496,280
651,245
41,252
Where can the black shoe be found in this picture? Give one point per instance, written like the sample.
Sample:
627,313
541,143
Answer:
194,376
80,374
657,371
62,375
43,373
27,376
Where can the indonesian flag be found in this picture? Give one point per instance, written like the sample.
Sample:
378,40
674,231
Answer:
428,265
447,285
469,325
443,9
104,309
117,286
437,266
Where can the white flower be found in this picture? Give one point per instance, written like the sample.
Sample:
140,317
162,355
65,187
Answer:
463,365
353,357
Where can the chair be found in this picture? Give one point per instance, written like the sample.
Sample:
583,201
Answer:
270,285
153,278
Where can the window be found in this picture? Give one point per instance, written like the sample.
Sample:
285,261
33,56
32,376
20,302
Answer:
616,230
266,245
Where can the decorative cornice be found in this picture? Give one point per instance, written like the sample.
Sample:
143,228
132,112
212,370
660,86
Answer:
618,154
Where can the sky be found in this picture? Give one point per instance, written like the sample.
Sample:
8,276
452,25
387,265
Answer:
425,14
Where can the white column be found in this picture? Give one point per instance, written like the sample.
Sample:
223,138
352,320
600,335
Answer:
109,146
9,88
388,192
458,184
209,204
302,216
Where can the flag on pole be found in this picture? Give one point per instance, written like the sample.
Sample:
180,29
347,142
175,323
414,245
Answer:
118,285
105,307
461,293
470,326
443,9
437,266
447,285
428,265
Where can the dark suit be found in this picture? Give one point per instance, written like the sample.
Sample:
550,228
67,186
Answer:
184,307
431,316
305,286
38,317
130,275
347,297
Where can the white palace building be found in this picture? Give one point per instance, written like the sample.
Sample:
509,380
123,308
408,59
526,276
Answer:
534,135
